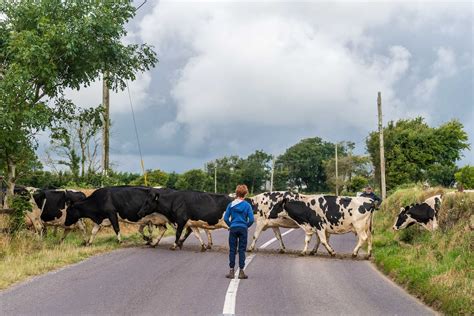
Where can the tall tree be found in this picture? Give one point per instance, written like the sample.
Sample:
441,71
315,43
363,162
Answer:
304,164
194,179
227,171
413,149
76,141
49,46
254,171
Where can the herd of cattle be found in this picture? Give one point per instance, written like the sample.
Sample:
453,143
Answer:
190,211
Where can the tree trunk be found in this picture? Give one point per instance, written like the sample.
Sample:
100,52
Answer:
11,178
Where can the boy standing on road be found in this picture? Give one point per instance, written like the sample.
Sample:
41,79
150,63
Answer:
239,217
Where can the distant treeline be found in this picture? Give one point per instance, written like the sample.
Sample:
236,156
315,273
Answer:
415,153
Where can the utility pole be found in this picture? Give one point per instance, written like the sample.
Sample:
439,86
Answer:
337,176
382,151
271,175
106,131
215,177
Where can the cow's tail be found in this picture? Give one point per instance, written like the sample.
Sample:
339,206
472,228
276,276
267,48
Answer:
371,224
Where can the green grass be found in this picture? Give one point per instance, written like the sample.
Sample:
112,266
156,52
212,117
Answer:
25,254
437,267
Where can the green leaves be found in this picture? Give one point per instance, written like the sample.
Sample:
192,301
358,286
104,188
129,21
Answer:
49,46
415,152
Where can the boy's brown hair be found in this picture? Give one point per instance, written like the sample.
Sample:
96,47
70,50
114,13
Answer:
241,191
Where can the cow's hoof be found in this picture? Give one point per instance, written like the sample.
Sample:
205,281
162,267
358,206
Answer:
333,254
208,247
146,238
173,248
250,250
203,248
302,254
354,255
368,256
153,245
313,253
281,251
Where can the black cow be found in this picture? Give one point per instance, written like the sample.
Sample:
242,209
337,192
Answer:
52,206
106,206
189,210
424,214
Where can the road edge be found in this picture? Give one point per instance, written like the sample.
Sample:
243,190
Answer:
400,287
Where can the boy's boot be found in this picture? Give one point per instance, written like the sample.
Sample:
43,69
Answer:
242,275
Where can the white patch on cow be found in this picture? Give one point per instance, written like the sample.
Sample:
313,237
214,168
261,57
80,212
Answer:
264,207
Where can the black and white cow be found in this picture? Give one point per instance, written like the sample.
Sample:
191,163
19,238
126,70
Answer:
424,214
52,205
325,214
262,205
189,210
106,206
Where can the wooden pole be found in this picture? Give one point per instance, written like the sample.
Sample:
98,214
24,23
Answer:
382,151
215,177
106,131
271,175
337,175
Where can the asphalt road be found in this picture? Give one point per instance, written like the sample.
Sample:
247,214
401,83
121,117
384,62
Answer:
159,281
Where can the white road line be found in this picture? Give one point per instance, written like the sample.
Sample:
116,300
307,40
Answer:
231,294
265,245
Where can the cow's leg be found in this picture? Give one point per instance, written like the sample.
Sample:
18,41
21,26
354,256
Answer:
197,233
179,231
369,244
94,232
66,232
82,228
182,238
209,239
115,224
307,240
155,241
362,237
258,230
318,242
55,231
142,232
323,239
276,231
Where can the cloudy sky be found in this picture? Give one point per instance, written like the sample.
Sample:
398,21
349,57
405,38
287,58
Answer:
236,77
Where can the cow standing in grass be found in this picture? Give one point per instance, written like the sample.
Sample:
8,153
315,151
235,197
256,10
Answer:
52,205
424,214
108,206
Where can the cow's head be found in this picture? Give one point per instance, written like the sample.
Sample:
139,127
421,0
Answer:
404,219
73,214
150,205
253,204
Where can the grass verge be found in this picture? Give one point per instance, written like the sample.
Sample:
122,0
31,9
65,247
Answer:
437,267
25,254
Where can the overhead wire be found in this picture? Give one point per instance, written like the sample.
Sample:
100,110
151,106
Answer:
136,134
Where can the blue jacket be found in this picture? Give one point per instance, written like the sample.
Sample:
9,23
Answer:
239,213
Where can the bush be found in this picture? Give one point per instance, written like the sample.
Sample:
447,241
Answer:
465,177
20,206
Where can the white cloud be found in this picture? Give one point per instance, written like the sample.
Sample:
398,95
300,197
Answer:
279,65
443,67
119,102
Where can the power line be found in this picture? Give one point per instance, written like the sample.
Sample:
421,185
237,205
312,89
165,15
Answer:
136,134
